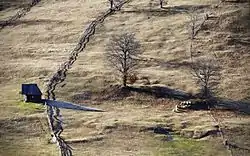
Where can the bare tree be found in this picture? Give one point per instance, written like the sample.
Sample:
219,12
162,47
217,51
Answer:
122,52
192,25
206,71
197,20
161,3
111,3
195,25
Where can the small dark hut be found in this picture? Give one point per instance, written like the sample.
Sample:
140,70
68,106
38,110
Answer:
31,93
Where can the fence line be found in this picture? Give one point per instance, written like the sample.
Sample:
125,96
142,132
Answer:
211,112
53,113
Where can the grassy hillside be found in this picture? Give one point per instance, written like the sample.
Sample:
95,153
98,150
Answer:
33,47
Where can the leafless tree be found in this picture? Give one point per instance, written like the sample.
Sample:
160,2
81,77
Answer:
192,25
111,3
161,3
197,20
122,52
206,72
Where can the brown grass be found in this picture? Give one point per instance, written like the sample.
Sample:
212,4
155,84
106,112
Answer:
33,48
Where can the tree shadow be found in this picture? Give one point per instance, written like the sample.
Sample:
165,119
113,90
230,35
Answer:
177,63
161,92
243,21
236,1
33,22
173,64
15,126
241,107
153,12
166,10
183,8
240,26
117,92
240,41
5,4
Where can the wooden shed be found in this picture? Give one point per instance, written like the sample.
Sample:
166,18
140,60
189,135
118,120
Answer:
31,93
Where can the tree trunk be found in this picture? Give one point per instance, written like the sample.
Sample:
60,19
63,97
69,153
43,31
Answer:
111,3
125,80
206,91
161,3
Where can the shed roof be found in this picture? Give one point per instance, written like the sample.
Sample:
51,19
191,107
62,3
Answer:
31,89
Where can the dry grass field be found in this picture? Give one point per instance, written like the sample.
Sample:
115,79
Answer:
33,47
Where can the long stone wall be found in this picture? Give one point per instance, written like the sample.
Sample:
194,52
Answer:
60,75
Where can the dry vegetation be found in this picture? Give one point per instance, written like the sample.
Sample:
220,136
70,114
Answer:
34,46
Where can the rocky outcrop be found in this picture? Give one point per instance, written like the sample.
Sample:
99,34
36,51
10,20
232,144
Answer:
199,134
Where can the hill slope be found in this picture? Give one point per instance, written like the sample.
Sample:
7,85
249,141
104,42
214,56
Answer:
33,47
